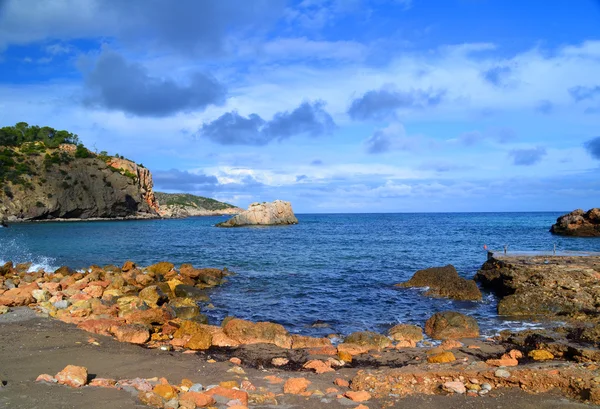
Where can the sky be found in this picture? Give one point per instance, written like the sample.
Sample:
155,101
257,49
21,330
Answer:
335,105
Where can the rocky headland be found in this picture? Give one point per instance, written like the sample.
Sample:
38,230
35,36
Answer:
274,213
181,205
255,364
578,223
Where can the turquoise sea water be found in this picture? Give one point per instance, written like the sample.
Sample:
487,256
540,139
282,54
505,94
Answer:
337,268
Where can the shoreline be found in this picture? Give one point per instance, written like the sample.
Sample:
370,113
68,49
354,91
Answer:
154,308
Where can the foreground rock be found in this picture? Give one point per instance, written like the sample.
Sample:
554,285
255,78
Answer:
578,223
444,282
263,214
558,287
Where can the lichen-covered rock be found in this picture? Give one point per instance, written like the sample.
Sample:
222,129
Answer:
406,332
578,223
451,325
263,214
444,282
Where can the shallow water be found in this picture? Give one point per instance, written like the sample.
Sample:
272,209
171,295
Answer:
336,268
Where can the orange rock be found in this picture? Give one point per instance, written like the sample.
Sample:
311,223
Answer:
129,265
238,407
186,384
199,398
505,360
247,332
100,326
94,291
19,296
299,341
231,394
441,358
296,385
273,379
167,392
344,355
199,341
358,396
450,344
132,333
45,378
71,375
151,399
228,384
352,350
331,390
247,386
515,354
405,344
325,350
319,366
103,382
361,406
341,382
235,361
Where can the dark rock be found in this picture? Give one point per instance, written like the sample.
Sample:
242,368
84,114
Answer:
188,291
444,282
451,325
578,223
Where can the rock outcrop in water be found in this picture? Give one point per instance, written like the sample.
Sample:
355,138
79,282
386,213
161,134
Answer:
556,287
264,214
70,182
444,282
578,223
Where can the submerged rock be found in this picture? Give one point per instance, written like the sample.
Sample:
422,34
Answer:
578,223
263,214
444,282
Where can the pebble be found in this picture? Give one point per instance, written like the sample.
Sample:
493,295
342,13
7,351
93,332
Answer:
484,391
486,387
197,387
456,387
4,309
237,370
172,404
502,373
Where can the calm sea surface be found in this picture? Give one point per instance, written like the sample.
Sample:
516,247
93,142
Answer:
337,268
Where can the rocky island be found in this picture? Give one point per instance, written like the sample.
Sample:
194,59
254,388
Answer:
263,214
578,223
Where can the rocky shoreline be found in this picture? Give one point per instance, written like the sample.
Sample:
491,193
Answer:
160,308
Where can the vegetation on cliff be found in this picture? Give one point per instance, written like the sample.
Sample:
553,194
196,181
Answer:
185,199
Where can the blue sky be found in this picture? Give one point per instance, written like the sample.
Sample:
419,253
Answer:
337,106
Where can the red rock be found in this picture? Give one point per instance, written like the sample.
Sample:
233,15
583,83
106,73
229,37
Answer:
341,382
199,398
71,375
358,396
132,333
505,360
100,326
52,288
45,378
319,366
16,297
103,382
296,385
232,394
235,361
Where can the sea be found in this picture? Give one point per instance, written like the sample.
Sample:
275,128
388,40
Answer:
330,274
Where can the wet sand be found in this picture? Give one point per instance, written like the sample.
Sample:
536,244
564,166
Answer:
31,345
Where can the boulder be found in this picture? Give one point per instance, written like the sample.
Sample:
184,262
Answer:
153,296
246,332
444,282
71,375
160,268
451,325
132,333
578,223
406,332
296,385
194,293
263,214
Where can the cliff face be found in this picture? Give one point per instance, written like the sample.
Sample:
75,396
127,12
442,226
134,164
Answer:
180,205
55,184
